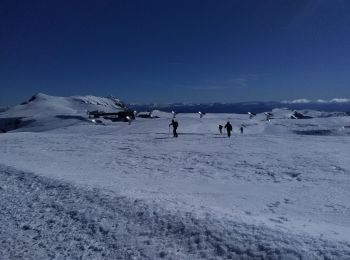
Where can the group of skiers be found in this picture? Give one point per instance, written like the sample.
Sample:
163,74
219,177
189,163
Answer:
227,126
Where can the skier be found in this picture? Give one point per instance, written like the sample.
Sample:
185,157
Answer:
241,129
174,124
228,128
220,129
128,119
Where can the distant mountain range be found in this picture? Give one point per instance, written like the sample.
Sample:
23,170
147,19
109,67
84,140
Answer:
338,105
334,105
3,109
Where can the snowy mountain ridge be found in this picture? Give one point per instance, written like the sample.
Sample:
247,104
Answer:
106,102
43,112
77,103
338,105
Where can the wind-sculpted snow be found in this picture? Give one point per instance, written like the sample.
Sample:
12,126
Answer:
42,218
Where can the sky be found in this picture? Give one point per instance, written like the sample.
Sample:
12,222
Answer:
160,51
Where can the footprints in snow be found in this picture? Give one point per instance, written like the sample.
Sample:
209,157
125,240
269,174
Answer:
279,220
273,207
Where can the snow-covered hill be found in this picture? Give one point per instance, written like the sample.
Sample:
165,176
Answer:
42,112
280,190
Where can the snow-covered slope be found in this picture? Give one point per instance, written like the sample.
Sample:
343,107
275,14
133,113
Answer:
43,112
280,190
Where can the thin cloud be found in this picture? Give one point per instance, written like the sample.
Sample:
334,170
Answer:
297,101
340,100
305,101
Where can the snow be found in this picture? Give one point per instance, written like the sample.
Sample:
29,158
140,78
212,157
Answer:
120,191
43,112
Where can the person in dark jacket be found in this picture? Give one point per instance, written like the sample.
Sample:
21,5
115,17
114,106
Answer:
175,125
228,128
220,129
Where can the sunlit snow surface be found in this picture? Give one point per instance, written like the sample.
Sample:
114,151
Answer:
116,191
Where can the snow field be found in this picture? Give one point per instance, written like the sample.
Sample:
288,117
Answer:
49,219
73,189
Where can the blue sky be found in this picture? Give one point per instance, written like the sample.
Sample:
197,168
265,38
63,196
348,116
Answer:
172,51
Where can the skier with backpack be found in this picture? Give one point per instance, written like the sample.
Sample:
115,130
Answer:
175,125
228,128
